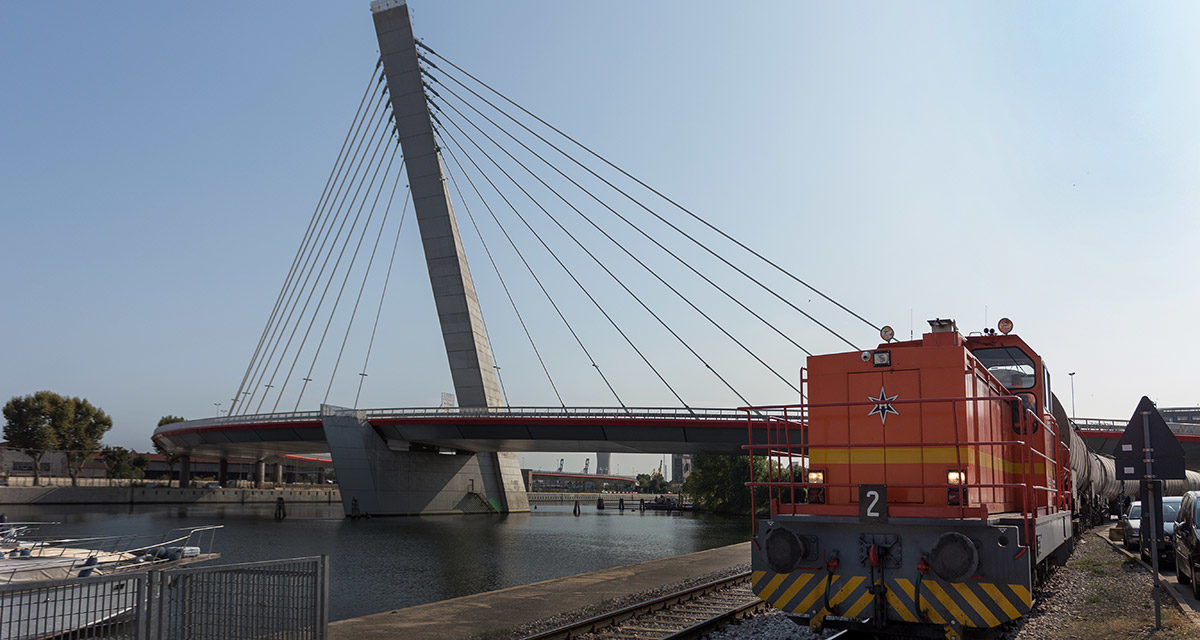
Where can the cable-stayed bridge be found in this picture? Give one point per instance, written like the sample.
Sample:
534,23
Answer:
623,273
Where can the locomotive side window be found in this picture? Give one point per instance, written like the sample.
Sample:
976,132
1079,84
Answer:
1046,388
1011,366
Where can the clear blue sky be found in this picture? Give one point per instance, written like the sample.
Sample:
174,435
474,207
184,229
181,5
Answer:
160,163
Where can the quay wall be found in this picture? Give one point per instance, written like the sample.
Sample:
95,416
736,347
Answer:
229,495
163,495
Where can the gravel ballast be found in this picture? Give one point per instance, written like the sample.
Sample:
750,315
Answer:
1099,593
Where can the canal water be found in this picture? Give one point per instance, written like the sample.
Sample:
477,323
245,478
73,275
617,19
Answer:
388,563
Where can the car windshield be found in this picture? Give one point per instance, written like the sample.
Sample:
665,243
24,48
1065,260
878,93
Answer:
1170,510
1135,512
1011,366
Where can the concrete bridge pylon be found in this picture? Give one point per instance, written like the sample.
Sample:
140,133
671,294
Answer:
413,482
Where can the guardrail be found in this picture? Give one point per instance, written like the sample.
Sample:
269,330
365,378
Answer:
632,413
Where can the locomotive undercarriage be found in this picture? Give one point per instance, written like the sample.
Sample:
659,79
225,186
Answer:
915,577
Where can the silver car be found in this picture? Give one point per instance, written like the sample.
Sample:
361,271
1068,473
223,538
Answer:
1131,524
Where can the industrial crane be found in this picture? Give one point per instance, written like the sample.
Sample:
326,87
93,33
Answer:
586,462
560,464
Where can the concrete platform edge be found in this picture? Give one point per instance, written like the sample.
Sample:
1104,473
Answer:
502,609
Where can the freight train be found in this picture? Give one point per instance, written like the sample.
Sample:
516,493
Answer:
922,488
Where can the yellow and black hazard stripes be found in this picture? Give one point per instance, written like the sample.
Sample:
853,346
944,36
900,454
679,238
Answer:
806,592
970,604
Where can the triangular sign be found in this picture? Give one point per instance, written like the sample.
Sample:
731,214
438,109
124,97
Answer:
1167,462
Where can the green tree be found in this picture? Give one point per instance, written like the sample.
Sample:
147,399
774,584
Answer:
139,463
652,483
116,461
29,426
170,456
718,483
80,426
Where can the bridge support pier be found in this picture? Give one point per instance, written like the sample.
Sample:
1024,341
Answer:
384,482
185,471
223,472
279,472
260,474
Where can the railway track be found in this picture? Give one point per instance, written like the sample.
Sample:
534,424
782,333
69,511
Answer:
688,613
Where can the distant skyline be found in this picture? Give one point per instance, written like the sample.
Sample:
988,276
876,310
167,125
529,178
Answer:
969,161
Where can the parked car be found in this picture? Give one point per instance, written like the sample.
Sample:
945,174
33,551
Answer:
1131,524
1187,546
1166,551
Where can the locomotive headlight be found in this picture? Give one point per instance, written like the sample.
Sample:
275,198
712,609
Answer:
816,477
955,477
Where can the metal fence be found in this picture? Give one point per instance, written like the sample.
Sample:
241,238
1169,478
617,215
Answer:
281,599
277,599
100,607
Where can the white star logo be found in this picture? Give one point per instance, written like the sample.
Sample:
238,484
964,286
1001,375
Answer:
883,405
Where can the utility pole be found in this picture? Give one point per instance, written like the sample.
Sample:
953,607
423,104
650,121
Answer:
1072,376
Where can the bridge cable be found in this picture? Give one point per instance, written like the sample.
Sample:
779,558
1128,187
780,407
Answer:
325,261
528,267
337,263
307,234
349,270
507,293
309,260
326,227
627,221
318,217
366,274
594,258
387,278
659,194
622,247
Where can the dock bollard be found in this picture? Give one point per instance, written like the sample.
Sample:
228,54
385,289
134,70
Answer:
576,509
600,504
642,504
280,509
620,504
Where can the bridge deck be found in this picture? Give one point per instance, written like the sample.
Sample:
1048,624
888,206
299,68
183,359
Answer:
547,429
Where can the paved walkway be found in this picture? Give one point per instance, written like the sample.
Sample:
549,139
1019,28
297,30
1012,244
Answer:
503,609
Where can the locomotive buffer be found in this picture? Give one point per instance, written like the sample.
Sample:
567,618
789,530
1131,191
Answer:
1148,452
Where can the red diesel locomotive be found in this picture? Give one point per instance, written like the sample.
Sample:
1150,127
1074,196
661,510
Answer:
920,489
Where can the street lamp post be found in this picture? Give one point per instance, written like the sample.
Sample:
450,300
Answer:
1072,376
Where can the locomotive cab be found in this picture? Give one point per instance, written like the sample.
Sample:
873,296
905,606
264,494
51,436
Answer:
931,489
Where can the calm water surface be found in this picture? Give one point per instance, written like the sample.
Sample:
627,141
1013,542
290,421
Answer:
387,563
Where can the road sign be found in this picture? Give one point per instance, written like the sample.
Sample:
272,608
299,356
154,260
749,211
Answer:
1131,448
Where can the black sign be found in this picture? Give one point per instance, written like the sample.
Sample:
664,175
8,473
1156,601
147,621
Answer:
872,502
1151,503
1167,457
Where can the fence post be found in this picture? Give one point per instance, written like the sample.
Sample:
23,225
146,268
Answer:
322,631
148,620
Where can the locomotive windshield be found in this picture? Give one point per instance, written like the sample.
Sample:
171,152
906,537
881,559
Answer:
1011,366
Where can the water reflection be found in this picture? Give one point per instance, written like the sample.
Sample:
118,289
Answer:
387,563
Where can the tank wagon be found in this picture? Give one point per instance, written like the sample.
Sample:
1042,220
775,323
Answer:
922,488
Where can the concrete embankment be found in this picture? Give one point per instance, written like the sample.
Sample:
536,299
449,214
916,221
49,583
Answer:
493,612
163,495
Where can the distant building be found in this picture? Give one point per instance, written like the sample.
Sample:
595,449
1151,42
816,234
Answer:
681,467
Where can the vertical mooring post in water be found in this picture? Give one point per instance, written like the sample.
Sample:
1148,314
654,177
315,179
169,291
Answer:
1151,507
576,509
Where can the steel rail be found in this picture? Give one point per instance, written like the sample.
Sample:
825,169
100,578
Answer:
617,616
